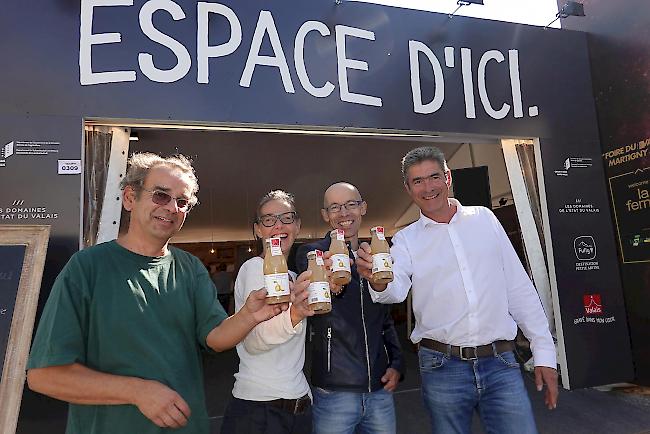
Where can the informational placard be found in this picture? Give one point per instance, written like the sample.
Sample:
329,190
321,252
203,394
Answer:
22,258
631,201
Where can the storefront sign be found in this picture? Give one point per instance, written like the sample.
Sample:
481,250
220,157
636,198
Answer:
475,65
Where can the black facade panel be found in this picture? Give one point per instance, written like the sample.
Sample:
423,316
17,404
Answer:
43,100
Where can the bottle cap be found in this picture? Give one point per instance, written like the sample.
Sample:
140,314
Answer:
338,234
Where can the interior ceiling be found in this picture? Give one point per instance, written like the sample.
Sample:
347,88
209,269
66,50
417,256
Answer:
235,169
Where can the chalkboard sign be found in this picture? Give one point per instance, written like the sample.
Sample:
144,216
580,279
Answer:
22,257
11,266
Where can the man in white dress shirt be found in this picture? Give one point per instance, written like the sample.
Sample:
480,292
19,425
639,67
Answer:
470,292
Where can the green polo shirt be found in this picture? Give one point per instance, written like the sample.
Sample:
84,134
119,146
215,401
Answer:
118,312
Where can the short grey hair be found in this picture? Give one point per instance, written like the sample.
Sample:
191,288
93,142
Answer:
141,163
275,195
418,155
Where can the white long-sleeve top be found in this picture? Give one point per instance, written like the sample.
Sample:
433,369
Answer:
469,287
272,356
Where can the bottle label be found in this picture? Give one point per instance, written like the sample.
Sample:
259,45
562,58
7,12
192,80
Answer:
319,258
276,285
340,262
276,248
340,234
379,230
319,292
381,262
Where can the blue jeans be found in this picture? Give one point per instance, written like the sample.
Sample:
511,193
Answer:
493,386
344,412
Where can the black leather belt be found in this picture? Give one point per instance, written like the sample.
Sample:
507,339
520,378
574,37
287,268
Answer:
469,353
294,406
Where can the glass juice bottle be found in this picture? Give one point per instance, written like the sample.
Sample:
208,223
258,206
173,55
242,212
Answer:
382,263
341,274
276,273
320,300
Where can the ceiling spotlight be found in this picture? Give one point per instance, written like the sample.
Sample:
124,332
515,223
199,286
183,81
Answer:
249,249
134,137
212,250
570,9
462,3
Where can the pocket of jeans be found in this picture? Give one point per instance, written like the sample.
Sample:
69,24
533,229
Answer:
508,359
322,391
430,360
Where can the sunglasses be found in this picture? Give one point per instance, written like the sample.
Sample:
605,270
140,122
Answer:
160,197
269,220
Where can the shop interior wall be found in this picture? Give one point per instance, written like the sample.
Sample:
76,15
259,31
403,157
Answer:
235,169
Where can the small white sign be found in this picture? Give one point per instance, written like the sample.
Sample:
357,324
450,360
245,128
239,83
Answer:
69,167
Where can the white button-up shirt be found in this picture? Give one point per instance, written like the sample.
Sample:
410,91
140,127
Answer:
469,287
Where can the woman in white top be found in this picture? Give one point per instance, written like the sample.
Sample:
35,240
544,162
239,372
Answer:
271,394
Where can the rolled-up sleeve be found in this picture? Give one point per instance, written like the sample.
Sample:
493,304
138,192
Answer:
270,333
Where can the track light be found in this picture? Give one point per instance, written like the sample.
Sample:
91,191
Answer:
462,3
570,9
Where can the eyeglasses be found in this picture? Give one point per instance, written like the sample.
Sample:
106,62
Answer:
349,205
269,220
160,197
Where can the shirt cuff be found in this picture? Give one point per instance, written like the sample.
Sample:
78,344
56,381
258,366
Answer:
381,296
287,326
376,295
545,357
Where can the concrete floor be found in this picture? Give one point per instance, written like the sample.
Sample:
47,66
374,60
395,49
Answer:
585,411
579,412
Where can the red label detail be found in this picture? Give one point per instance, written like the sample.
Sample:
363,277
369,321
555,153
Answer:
592,304
319,253
275,242
380,230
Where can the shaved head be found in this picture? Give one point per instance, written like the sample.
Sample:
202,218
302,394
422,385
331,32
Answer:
351,209
338,188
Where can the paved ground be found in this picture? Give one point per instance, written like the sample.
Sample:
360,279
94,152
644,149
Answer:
587,411
579,412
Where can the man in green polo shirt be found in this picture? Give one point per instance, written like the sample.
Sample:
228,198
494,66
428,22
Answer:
122,331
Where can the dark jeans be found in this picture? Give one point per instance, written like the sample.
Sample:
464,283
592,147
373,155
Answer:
253,417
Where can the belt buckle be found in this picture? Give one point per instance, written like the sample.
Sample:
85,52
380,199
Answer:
462,353
295,406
